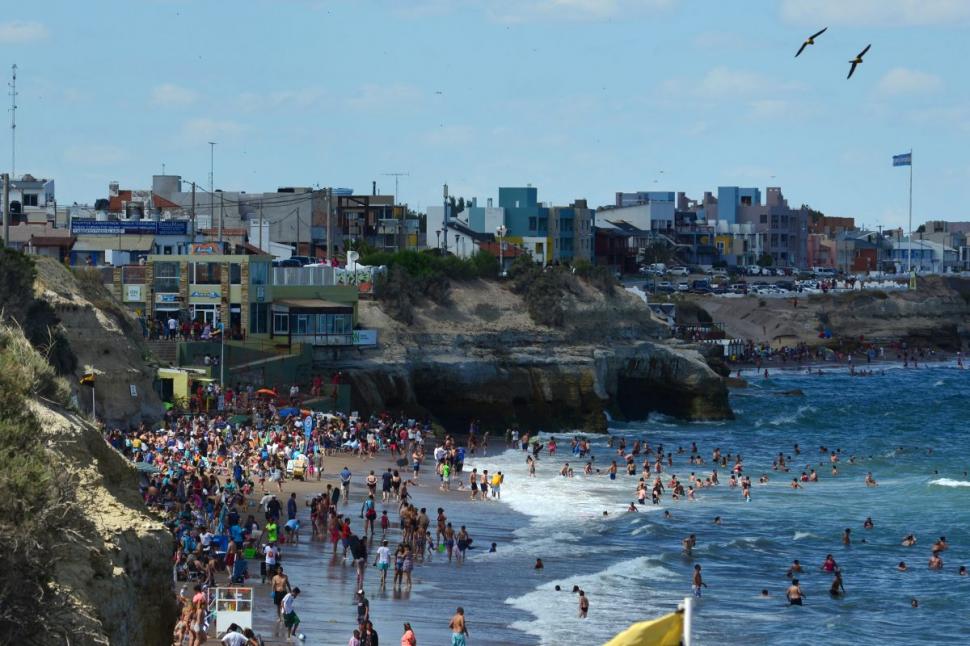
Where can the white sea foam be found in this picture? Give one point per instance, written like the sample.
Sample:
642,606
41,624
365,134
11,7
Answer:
610,591
791,418
949,482
800,535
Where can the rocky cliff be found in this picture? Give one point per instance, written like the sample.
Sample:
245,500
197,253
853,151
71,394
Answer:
105,338
116,570
481,356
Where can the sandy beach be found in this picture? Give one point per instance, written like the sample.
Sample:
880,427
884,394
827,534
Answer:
326,604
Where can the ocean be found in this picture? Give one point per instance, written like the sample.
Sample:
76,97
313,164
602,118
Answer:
906,426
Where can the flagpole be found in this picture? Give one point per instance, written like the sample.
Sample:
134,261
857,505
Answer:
909,270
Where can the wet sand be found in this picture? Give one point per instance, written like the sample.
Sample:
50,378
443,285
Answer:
326,604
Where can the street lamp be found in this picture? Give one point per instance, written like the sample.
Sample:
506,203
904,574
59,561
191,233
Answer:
500,232
438,232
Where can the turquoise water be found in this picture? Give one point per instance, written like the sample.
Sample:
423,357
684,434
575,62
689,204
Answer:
631,565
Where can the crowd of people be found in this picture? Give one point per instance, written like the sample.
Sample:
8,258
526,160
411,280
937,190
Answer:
220,488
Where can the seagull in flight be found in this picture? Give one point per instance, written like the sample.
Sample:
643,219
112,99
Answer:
858,59
810,41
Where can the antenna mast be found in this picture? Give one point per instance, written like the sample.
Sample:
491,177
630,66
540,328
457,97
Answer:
13,122
396,177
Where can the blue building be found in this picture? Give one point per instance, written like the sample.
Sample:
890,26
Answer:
730,198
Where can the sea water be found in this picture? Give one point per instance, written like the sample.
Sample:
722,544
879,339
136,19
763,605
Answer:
906,426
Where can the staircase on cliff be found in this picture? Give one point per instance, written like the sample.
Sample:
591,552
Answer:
165,351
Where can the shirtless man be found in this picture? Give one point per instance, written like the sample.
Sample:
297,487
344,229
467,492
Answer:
837,589
936,563
909,540
870,481
795,568
940,545
583,604
281,585
459,629
442,521
794,594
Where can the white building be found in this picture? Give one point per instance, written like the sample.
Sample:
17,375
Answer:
31,199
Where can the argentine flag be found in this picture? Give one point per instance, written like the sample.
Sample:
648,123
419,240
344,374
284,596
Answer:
906,159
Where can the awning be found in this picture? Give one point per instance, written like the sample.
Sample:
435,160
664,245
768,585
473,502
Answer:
114,243
311,305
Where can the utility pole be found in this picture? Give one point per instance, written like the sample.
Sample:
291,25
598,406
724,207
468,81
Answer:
212,190
329,225
261,226
444,220
13,122
6,210
192,237
222,210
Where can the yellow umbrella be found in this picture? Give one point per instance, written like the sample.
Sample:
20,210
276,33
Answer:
666,631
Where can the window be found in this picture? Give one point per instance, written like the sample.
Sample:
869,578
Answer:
258,313
30,199
258,273
281,323
764,218
206,273
166,277
532,224
235,273
303,324
342,323
324,324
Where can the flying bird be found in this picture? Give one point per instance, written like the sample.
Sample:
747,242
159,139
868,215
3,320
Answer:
858,59
810,41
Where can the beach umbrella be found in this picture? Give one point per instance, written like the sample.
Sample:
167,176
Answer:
288,412
267,392
169,405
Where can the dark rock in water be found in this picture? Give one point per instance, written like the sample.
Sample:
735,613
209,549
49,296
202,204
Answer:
549,391
791,393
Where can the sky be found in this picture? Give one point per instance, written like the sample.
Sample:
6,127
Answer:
580,98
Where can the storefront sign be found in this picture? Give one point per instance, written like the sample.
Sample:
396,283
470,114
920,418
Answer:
365,337
201,294
206,249
135,227
167,298
133,293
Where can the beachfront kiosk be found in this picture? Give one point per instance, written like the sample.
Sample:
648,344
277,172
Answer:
232,606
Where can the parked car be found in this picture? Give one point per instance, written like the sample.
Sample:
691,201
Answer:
683,287
289,262
303,260
679,271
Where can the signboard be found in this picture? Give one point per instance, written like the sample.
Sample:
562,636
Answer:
201,294
167,298
232,606
133,293
365,337
134,390
206,248
260,293
87,226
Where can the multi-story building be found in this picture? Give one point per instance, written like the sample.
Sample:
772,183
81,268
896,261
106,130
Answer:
571,230
785,229
31,200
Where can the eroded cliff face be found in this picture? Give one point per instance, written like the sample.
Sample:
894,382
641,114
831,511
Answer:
116,568
482,357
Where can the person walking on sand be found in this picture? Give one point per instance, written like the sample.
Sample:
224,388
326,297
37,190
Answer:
459,629
383,561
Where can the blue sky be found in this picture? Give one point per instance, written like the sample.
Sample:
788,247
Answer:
581,98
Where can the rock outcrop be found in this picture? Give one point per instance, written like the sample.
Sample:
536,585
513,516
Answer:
117,573
481,357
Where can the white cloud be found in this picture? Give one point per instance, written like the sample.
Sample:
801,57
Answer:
891,13
574,10
22,31
901,80
723,80
204,129
170,95
952,118
373,97
297,99
519,11
95,155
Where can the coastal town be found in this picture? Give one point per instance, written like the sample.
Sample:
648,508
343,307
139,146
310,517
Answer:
484,323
